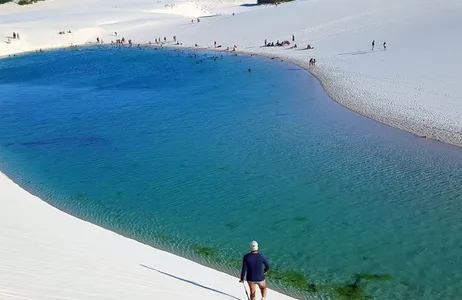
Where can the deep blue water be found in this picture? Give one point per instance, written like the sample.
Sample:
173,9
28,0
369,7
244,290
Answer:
175,153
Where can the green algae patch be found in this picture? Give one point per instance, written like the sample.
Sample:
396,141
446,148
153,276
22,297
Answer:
204,251
300,219
350,292
236,264
293,279
371,276
232,225
405,283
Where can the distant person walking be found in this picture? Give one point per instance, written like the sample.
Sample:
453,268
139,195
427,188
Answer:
373,44
293,38
252,270
384,45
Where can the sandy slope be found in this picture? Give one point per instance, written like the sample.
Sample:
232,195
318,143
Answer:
46,254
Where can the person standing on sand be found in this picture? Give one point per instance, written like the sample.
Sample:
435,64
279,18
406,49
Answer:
252,269
384,45
373,44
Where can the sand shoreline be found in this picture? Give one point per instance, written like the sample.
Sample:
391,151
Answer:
135,269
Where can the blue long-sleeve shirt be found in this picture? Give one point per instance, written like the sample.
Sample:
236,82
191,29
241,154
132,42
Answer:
252,264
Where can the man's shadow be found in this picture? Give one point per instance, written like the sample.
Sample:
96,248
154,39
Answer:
190,282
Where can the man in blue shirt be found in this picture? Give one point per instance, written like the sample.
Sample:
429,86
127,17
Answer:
252,264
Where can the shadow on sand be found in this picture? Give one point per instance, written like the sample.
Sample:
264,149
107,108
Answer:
362,52
190,282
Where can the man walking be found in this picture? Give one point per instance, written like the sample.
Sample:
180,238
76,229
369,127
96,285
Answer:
252,264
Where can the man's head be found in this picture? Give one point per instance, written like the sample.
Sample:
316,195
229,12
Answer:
254,246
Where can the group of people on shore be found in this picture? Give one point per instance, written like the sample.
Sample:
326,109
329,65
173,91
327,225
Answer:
384,45
277,44
15,36
312,61
285,43
118,41
308,46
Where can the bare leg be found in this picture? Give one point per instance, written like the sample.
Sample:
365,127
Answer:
262,286
253,290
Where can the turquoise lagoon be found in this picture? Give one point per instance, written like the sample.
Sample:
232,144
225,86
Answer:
199,156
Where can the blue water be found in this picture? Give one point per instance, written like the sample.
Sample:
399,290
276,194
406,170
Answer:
176,152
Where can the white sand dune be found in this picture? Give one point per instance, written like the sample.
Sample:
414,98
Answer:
415,85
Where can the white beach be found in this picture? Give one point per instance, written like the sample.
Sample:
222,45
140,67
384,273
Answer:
415,85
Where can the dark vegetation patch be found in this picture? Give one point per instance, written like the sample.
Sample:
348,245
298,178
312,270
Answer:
204,251
371,276
300,219
272,1
27,2
292,279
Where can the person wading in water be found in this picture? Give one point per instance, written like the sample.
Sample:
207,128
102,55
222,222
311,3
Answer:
252,264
